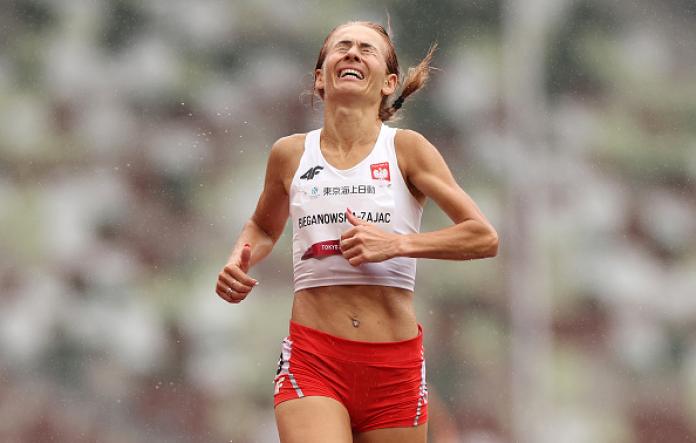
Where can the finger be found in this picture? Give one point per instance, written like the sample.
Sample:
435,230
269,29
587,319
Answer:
355,221
239,275
348,243
223,294
357,260
245,258
236,298
351,252
228,295
349,233
234,284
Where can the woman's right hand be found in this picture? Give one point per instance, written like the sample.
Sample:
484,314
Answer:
233,284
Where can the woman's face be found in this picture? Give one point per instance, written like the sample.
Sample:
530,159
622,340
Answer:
355,65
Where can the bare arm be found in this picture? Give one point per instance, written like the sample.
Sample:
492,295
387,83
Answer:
265,226
471,236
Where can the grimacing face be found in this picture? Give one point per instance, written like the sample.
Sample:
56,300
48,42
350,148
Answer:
355,65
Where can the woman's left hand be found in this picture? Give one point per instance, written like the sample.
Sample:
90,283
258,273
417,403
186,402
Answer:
365,242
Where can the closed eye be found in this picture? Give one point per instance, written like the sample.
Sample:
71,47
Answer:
365,48
343,46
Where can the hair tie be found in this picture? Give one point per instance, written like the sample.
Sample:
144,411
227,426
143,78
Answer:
398,103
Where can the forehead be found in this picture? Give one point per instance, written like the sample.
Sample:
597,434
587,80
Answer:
359,33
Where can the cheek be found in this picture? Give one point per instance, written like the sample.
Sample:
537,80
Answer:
328,67
321,79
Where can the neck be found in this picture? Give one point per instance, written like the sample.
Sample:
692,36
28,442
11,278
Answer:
348,126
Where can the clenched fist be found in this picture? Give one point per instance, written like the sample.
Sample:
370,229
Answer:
233,284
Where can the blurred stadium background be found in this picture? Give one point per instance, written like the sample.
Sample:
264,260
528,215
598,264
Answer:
133,141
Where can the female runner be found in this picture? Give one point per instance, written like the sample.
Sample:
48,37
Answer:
352,367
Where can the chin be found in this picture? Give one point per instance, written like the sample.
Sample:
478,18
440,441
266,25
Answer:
350,91
351,98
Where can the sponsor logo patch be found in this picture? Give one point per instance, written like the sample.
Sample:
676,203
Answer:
323,249
348,190
311,172
380,171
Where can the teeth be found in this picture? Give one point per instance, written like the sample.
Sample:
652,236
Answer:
347,71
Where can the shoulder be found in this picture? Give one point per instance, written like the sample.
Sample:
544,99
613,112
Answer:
411,143
420,160
287,151
412,147
409,137
284,158
289,146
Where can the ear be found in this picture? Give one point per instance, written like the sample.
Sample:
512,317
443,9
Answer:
389,86
318,80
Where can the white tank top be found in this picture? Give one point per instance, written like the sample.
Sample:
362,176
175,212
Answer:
374,190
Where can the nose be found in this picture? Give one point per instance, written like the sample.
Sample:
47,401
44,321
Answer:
353,53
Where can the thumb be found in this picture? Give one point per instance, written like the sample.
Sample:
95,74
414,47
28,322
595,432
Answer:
352,219
355,221
245,258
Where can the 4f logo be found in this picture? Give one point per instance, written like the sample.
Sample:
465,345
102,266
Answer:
311,172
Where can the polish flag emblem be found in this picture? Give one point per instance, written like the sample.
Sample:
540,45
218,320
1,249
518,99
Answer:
380,171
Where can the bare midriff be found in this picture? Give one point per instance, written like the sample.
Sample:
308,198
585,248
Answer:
357,312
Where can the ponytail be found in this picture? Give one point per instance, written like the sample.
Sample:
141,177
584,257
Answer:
416,77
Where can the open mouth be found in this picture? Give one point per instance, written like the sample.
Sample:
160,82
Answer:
350,73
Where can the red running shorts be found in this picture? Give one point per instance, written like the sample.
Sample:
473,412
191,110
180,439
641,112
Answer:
382,385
